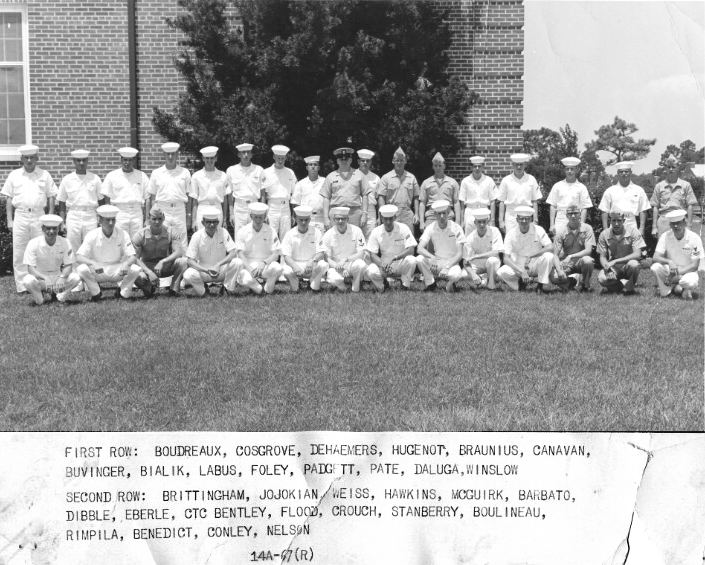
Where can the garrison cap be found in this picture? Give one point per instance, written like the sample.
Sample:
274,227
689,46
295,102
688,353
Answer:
303,211
80,154
438,158
365,154
156,211
170,147
570,161
50,220
209,151
107,211
524,211
244,147
27,150
388,211
257,207
128,152
399,153
440,205
676,215
520,158
477,160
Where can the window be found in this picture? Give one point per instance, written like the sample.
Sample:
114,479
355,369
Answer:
14,82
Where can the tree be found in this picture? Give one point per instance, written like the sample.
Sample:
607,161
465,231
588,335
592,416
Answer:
547,147
616,139
316,75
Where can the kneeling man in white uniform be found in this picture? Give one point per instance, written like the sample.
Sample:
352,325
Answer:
447,238
344,246
302,252
481,251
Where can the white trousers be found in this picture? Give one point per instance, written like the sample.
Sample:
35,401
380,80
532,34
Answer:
78,224
489,265
130,218
279,216
174,217
115,272
317,273
270,274
25,226
539,267
227,274
356,268
689,281
405,269
452,274
36,286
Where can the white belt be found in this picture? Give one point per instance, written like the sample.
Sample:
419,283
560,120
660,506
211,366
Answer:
163,204
244,201
128,205
82,208
35,210
277,201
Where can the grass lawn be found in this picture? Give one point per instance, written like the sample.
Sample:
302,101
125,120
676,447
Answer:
398,361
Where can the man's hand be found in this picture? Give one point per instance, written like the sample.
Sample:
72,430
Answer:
213,273
654,230
158,268
60,284
552,230
388,268
525,277
435,269
153,277
257,271
306,271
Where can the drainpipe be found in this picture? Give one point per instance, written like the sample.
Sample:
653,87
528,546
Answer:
132,56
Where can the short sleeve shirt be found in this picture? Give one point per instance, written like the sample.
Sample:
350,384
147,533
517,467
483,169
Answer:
616,247
522,245
446,242
683,251
565,194
210,186
307,193
246,182
48,259
80,190
390,244
515,191
631,200
125,188
257,245
668,197
98,247
569,241
433,189
152,248
170,185
476,244
477,193
341,246
302,246
372,181
208,251
345,189
278,183
399,190
29,190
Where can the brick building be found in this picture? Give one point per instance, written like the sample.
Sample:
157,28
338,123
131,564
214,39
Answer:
65,78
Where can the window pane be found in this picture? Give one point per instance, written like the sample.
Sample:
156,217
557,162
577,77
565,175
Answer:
15,105
12,81
16,136
13,49
12,25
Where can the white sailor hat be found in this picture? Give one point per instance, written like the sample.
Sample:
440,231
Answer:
440,205
170,147
209,151
477,160
128,152
480,213
570,161
340,211
676,215
50,220
312,159
365,154
524,211
520,158
209,212
107,211
257,207
26,150
244,147
303,211
80,154
280,150
399,153
438,158
388,210
624,165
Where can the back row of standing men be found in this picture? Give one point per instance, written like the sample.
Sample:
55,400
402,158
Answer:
182,197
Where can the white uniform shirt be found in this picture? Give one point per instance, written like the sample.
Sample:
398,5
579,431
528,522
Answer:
48,259
390,243
340,246
278,183
630,199
208,251
476,245
446,243
372,180
683,251
210,186
170,185
519,246
477,193
80,190
518,192
306,193
125,188
302,247
107,250
29,190
564,194
257,245
246,182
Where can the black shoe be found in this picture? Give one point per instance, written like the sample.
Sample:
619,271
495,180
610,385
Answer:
404,287
97,298
148,291
52,297
572,283
117,293
385,282
522,284
430,288
173,292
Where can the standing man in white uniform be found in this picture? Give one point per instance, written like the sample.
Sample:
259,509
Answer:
518,189
49,259
677,257
107,255
211,255
627,198
390,251
170,188
246,183
258,250
567,193
303,252
438,187
364,161
528,252
209,187
481,251
307,192
28,191
278,183
79,196
448,239
344,246
126,188
477,191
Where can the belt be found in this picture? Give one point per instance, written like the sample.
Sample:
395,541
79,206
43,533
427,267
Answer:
277,201
163,204
243,201
128,205
29,210
82,208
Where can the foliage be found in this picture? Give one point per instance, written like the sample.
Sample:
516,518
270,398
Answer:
314,76
686,153
5,241
616,139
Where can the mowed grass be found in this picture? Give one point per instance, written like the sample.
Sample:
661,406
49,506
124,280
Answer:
397,361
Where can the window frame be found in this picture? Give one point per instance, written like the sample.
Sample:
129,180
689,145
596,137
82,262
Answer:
10,152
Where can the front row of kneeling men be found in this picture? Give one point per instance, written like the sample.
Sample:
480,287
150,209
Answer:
341,254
